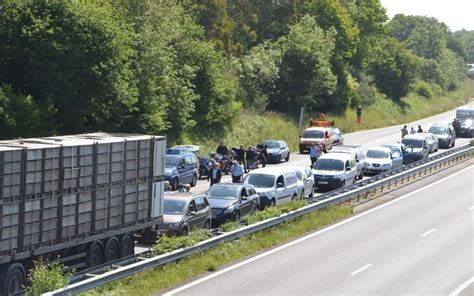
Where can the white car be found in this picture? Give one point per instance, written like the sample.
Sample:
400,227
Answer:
335,170
379,159
305,181
358,154
433,142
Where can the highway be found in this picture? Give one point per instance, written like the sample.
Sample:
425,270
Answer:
366,138
419,243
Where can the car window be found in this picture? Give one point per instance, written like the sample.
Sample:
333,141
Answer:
250,191
377,154
173,207
181,162
191,207
317,134
222,192
260,180
199,203
353,163
329,165
280,180
243,192
171,160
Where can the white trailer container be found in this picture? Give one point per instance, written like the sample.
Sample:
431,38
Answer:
81,198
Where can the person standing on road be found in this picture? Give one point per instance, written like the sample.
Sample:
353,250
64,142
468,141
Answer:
420,130
241,156
404,131
236,172
249,156
412,130
215,174
313,154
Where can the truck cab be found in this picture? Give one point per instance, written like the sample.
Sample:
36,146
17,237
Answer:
321,136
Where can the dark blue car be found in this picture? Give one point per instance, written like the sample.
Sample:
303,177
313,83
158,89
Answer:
180,168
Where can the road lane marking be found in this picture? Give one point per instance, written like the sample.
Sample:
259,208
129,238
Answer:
304,238
361,269
429,232
462,287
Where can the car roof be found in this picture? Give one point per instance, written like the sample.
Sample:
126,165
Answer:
348,148
186,196
317,128
267,171
380,148
338,156
177,151
230,185
417,136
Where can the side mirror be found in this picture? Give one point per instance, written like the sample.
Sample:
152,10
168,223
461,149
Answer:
243,197
280,185
357,161
192,213
348,168
181,166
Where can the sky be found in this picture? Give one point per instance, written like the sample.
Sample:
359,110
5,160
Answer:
457,14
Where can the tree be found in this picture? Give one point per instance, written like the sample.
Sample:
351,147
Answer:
70,57
394,68
305,72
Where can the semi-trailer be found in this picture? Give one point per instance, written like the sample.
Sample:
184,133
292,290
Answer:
80,199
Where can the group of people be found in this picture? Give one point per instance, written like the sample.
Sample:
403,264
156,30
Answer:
412,130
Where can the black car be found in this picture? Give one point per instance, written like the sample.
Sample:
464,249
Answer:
445,134
231,201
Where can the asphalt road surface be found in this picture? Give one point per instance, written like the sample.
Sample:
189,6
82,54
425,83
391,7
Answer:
367,138
421,243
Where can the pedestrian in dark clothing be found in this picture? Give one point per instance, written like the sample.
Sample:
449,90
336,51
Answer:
241,156
420,130
404,131
222,149
249,157
215,174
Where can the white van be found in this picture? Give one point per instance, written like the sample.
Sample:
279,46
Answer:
335,170
274,186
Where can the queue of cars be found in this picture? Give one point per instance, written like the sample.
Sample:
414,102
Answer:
343,165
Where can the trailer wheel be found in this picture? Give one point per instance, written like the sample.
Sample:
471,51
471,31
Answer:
13,279
127,246
112,249
95,255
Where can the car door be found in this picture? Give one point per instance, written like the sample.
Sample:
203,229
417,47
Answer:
245,204
253,198
397,159
182,170
192,217
281,194
308,182
201,211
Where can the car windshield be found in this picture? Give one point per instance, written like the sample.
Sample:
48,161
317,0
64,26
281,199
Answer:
259,180
272,144
171,161
329,165
173,206
438,130
377,154
222,192
413,142
317,134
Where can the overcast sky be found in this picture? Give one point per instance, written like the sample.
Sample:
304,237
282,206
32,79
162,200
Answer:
457,14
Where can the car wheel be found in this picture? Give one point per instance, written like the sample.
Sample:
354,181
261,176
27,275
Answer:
13,280
272,203
185,231
454,143
287,157
193,181
302,194
174,184
237,216
361,176
207,225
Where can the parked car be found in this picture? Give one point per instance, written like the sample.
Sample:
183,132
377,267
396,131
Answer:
183,212
305,181
433,143
335,170
379,159
277,150
358,154
337,134
187,148
180,168
416,147
445,134
321,136
274,186
398,151
231,201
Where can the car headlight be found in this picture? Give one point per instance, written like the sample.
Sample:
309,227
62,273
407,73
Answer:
229,210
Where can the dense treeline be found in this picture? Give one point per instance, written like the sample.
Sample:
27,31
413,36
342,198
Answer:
190,66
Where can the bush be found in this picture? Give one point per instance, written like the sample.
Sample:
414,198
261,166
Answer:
47,277
423,89
230,225
167,244
276,211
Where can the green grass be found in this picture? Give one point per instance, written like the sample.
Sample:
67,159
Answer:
252,128
152,281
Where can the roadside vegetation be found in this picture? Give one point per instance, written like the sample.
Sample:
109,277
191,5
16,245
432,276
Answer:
152,281
47,277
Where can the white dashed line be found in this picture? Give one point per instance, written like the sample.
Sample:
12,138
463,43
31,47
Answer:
429,232
361,269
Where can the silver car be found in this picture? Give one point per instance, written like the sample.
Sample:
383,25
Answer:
358,153
305,181
433,142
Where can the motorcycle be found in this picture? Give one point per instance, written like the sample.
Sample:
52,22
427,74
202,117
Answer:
205,165
260,156
224,161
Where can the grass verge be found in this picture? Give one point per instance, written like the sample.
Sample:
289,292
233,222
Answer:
152,281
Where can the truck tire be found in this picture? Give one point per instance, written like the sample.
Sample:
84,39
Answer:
127,246
112,249
95,254
13,279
